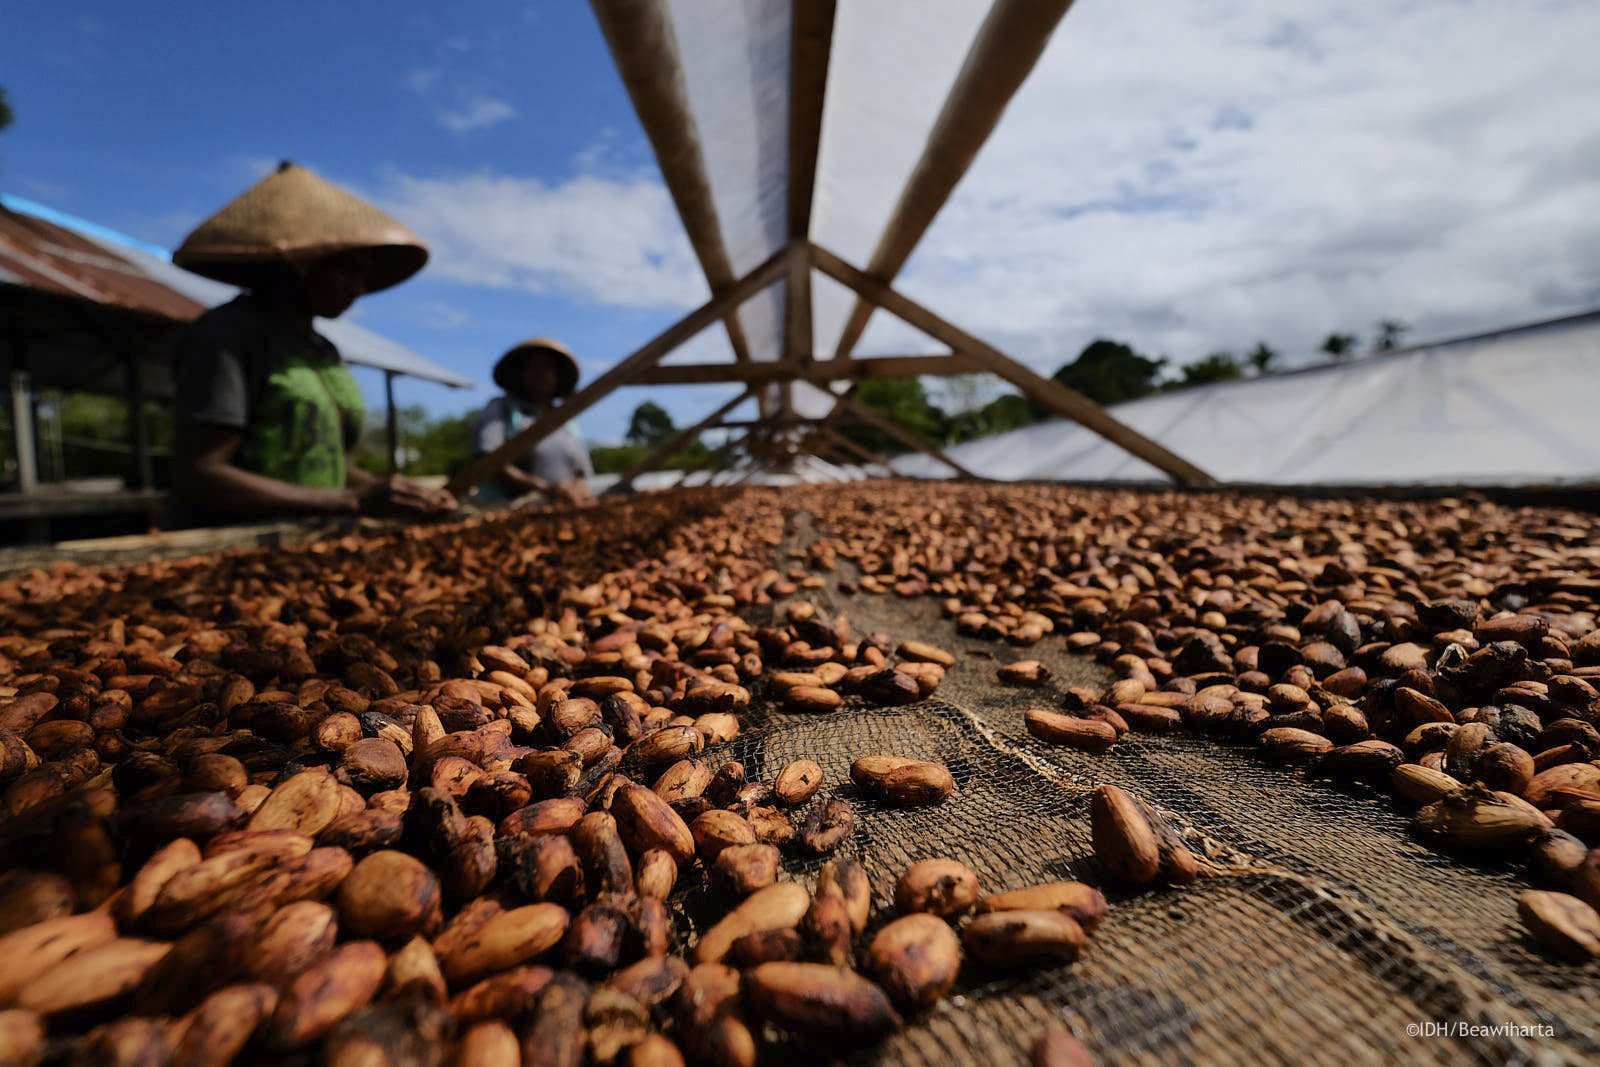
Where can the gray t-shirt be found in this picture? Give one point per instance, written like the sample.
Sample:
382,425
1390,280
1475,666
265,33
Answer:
560,457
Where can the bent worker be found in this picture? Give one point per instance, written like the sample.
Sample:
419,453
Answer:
535,376
266,410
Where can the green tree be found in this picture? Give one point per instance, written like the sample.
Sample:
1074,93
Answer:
650,425
903,401
1340,346
1217,367
6,114
1389,333
1109,372
430,445
619,459
1262,357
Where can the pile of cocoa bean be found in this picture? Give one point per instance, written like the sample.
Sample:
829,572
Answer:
434,795
1447,650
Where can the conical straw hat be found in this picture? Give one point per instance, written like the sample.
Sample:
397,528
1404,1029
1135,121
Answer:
293,216
508,371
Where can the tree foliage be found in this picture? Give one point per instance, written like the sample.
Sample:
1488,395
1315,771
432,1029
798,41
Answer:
905,402
1262,358
1340,346
1217,367
6,114
1109,372
650,425
1390,331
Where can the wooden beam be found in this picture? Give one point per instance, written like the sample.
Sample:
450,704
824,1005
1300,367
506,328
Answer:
391,423
1073,405
486,466
779,422
904,436
826,370
1006,47
714,458
866,455
644,48
676,443
798,346
810,45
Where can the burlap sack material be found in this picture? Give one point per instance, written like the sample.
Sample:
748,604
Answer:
1323,934
291,217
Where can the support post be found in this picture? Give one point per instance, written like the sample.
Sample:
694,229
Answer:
22,426
1007,46
622,374
644,48
710,462
139,422
392,427
1073,405
866,455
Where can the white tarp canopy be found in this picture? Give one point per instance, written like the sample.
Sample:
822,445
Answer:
1514,407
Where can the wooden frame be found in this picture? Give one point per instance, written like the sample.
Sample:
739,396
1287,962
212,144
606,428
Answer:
1003,53
1073,405
677,443
486,466
644,48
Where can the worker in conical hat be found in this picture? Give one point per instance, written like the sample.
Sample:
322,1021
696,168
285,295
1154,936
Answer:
535,376
267,411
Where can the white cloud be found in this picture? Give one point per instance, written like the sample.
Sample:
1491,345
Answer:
1188,177
607,241
422,79
476,113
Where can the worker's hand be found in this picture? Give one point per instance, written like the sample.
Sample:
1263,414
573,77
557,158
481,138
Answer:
574,492
443,500
396,497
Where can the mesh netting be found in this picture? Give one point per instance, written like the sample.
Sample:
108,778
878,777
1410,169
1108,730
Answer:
1324,931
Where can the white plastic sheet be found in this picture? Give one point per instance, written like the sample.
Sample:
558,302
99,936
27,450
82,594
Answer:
1512,408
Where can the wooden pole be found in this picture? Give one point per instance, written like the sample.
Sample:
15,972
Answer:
714,458
485,466
865,414
644,48
866,455
677,443
140,424
1006,47
798,346
22,429
1073,405
810,46
817,373
392,427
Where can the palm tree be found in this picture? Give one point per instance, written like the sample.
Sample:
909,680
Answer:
1340,346
1262,357
1389,334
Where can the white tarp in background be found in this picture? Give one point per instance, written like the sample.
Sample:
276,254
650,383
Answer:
1516,407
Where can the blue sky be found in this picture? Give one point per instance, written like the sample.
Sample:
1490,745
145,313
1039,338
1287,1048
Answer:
147,118
1184,175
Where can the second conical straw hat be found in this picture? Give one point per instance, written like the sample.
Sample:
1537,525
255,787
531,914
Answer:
292,215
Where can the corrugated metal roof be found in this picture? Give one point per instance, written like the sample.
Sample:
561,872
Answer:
43,255
50,257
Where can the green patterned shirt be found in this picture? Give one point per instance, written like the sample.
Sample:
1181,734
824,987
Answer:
241,365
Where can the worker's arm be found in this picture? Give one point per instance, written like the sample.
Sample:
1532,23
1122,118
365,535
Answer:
363,481
206,476
516,481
